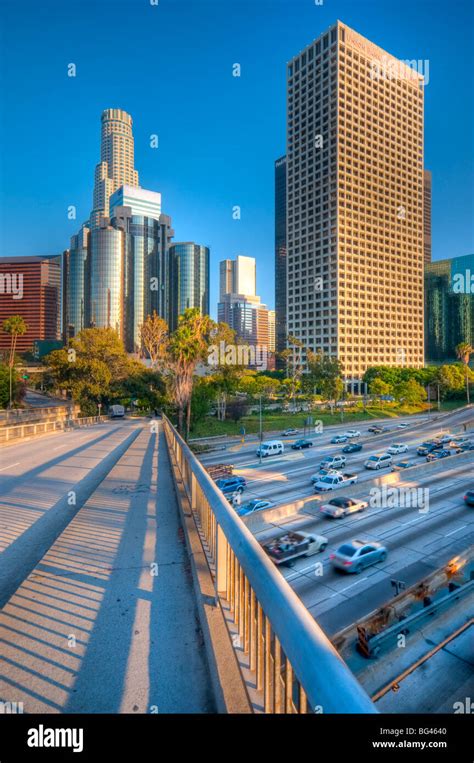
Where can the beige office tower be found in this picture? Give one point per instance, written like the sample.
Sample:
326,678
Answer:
117,164
355,203
427,216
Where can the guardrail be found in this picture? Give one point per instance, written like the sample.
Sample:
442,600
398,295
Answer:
290,658
8,434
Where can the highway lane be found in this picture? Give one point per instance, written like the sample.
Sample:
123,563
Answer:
286,478
418,543
43,482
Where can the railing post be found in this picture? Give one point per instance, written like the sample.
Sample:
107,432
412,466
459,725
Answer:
221,562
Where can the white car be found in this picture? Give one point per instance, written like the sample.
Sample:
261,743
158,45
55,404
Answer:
340,507
397,447
352,433
403,425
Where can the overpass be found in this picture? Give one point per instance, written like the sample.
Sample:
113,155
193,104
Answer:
129,584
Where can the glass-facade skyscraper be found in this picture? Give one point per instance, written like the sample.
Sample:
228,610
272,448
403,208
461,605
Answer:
449,307
189,279
118,266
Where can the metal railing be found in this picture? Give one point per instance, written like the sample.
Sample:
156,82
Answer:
19,432
291,660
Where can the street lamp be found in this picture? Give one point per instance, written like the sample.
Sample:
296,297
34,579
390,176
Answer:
261,431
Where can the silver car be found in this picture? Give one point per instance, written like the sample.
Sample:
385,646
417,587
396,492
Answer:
357,554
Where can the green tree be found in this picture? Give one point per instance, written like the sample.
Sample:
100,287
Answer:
451,379
15,326
463,352
188,346
88,368
379,387
410,392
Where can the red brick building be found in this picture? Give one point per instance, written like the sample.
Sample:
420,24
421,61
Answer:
31,287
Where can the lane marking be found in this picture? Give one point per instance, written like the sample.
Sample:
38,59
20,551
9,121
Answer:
9,466
455,531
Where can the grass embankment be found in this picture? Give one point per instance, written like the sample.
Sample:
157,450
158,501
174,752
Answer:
273,422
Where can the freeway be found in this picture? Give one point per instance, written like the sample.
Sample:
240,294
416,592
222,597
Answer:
418,542
286,478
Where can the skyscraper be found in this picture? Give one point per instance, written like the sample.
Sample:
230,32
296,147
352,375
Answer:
280,258
240,307
30,287
116,166
355,203
238,276
189,279
118,264
427,216
449,307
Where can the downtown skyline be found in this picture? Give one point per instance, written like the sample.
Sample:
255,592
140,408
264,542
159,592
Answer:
186,166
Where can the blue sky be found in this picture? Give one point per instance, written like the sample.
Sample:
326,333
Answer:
170,66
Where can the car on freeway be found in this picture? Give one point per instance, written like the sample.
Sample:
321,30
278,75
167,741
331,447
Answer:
352,447
461,447
357,554
352,433
333,462
231,484
427,447
444,438
397,447
341,507
339,438
256,504
403,425
469,497
291,545
377,429
378,461
270,448
435,455
323,473
289,432
334,481
300,444
403,465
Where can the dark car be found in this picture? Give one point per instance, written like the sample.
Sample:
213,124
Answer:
428,447
402,465
377,429
231,484
469,497
437,454
300,444
352,447
462,447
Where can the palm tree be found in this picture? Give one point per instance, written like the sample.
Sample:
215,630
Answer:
16,326
463,352
188,345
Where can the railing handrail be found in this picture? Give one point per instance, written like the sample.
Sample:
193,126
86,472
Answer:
327,680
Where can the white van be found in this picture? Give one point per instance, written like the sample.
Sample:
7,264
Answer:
271,448
378,461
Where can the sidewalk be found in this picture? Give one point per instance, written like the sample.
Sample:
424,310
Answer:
92,629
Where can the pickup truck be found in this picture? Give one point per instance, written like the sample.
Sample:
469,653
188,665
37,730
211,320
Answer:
291,545
333,481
